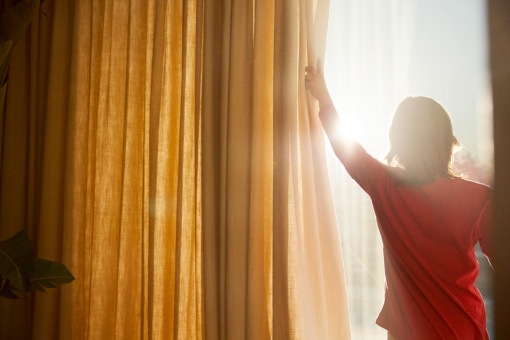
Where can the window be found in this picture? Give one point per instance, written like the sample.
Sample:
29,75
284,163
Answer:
377,54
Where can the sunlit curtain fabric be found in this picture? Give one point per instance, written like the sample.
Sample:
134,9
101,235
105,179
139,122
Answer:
167,153
314,270
272,253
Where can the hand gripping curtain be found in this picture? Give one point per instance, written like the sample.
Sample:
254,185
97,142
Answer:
272,257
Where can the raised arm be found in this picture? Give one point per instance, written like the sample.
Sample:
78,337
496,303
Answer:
362,167
315,83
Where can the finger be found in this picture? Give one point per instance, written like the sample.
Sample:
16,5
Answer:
307,81
320,68
310,69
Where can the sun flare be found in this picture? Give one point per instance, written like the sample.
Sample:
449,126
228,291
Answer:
350,127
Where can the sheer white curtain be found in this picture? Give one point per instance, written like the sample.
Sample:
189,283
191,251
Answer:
366,70
379,52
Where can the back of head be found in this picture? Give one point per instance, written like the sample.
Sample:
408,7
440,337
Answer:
421,140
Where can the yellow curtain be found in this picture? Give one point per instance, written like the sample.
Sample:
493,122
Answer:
166,152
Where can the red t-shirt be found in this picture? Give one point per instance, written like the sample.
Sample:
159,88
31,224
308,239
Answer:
429,233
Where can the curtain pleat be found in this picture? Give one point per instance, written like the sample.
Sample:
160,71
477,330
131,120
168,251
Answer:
170,158
308,261
211,160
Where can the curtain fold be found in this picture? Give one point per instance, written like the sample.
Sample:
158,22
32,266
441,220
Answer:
238,162
167,153
306,226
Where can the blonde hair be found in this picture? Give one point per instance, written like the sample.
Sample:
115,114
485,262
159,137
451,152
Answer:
422,140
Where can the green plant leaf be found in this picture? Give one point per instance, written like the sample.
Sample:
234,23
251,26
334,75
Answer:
17,18
49,274
6,289
16,260
13,24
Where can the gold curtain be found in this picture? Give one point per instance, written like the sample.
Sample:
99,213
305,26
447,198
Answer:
166,152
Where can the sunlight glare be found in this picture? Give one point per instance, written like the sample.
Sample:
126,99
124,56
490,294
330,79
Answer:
351,127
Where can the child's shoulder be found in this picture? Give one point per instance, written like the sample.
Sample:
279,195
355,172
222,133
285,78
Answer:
473,185
471,190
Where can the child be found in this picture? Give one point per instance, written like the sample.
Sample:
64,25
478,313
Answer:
429,219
